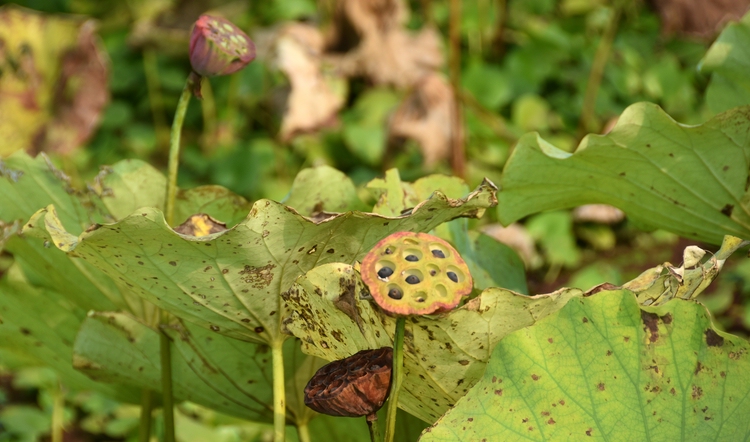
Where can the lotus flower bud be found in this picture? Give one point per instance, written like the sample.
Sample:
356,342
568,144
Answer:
354,386
218,47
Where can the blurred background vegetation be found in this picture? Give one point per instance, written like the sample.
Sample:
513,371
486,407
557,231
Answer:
365,86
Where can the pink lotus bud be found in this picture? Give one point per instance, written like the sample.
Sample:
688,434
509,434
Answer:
218,47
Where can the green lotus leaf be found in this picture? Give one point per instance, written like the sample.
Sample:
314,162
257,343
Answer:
323,189
225,374
690,180
40,325
444,355
728,63
603,368
230,281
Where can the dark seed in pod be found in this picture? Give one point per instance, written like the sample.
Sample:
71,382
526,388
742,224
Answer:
452,276
433,272
388,251
438,254
385,272
395,293
411,258
412,279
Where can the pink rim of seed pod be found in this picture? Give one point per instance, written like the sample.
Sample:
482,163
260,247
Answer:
415,274
218,47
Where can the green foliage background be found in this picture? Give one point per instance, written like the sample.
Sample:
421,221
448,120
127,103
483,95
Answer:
523,96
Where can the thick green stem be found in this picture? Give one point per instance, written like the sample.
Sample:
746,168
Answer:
397,376
303,432
58,415
374,429
166,386
588,121
144,428
174,146
279,392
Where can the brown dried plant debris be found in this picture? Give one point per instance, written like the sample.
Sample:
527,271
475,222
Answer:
425,116
316,96
702,19
384,50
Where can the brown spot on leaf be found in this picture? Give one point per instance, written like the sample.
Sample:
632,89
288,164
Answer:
499,392
698,367
534,377
551,421
727,210
463,362
585,319
550,340
697,392
713,339
172,263
600,386
650,325
589,431
257,277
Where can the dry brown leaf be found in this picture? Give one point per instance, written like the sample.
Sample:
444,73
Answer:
54,83
425,116
598,213
315,97
703,19
517,238
386,52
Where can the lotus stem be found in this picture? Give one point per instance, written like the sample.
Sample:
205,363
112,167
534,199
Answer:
303,432
166,384
372,424
398,374
58,414
279,393
174,146
144,428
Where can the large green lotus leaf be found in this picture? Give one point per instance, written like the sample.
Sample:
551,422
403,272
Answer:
601,368
230,281
222,373
28,184
40,325
728,63
444,354
129,185
690,180
323,189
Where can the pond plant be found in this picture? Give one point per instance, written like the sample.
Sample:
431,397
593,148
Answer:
272,312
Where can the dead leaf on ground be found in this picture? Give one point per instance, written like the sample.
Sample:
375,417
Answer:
386,53
425,116
598,213
316,96
54,83
702,19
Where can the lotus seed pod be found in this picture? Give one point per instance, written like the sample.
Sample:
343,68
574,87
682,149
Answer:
218,47
415,274
354,386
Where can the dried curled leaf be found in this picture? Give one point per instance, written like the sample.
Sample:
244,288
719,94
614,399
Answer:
54,83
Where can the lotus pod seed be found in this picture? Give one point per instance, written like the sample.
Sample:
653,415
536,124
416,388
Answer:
426,265
395,293
385,272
